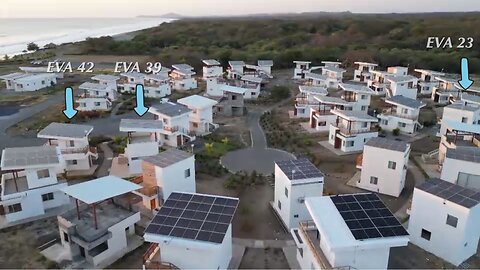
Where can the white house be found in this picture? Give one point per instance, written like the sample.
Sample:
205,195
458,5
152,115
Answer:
182,77
305,100
201,117
398,71
378,82
72,140
157,85
236,69
295,180
169,171
351,130
98,96
100,230
41,69
191,231
333,74
469,99
352,231
446,91
22,82
175,119
384,166
402,114
128,81
427,80
460,113
457,134
334,64
461,167
265,67
444,220
212,69
30,186
404,85
143,139
321,116
301,68
363,71
315,79
358,96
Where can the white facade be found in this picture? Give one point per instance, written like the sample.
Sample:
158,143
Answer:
442,227
458,134
315,79
446,91
378,82
403,115
235,70
384,166
357,96
21,82
327,243
305,100
175,119
212,69
30,190
402,86
363,72
291,189
301,68
182,77
98,96
351,130
427,80
201,117
334,75
321,116
461,167
461,114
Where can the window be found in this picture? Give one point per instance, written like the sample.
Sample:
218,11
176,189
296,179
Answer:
195,125
47,197
464,119
71,143
373,180
402,125
295,216
322,123
14,208
364,124
286,192
187,173
96,104
300,251
384,122
166,137
392,165
65,236
165,120
404,111
234,97
350,143
279,205
43,173
426,234
363,97
364,108
72,162
83,104
452,221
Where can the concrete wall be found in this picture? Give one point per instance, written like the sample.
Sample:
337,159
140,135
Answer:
136,150
34,85
89,104
454,245
185,84
172,178
402,89
158,92
453,167
455,115
359,140
212,71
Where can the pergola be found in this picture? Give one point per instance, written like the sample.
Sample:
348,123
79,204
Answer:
96,191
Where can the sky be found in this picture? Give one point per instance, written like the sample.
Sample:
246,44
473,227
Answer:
129,8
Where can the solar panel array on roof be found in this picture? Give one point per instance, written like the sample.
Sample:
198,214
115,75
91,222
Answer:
367,217
298,169
387,144
466,153
194,216
453,193
167,158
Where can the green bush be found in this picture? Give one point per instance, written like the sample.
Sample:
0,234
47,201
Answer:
396,132
280,92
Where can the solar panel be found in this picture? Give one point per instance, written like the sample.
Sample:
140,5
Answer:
451,192
298,169
367,217
194,216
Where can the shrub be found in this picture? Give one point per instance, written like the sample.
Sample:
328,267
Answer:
396,132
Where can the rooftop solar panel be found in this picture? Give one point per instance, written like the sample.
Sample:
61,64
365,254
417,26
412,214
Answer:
298,169
367,217
451,192
194,216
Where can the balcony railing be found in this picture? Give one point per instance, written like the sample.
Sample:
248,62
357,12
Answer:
179,129
82,150
349,131
401,115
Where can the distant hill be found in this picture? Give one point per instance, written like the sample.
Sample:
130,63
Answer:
170,15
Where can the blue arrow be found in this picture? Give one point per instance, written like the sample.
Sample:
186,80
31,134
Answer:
69,111
465,82
140,109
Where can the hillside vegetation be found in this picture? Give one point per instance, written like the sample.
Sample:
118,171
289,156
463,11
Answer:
393,39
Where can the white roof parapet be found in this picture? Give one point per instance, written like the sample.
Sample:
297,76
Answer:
182,67
63,130
316,90
356,88
186,72
360,116
35,76
366,64
197,101
100,189
236,63
105,77
265,63
93,86
30,157
211,62
13,76
138,125
331,100
251,78
459,126
315,76
233,89
429,72
302,62
402,79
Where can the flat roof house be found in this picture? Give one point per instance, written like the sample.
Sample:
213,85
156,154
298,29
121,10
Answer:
232,103
315,79
351,130
201,117
358,96
236,69
378,82
100,230
363,71
191,231
212,69
22,82
295,180
384,166
461,113
402,113
458,134
144,137
402,86
305,100
444,220
157,85
461,167
301,68
321,116
182,77
265,67
446,91
29,183
352,231
176,123
427,80
169,171
334,75
99,95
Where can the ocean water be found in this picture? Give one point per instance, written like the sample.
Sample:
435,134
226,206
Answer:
15,34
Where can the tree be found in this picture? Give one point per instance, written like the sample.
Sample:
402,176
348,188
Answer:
32,46
50,45
280,92
6,58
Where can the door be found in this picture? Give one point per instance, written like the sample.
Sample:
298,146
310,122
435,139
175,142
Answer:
82,251
179,140
153,203
314,121
469,180
338,142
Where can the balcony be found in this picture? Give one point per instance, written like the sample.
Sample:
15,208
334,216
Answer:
81,150
180,130
349,131
151,259
400,115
